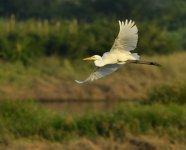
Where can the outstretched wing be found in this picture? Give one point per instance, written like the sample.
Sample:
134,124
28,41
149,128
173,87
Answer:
101,72
127,37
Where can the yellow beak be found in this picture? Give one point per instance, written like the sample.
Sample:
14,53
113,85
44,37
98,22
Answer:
88,58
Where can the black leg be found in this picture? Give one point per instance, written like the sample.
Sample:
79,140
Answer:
143,62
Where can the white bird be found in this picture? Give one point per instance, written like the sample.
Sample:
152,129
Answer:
119,54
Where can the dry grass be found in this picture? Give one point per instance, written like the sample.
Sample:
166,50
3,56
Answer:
54,79
130,143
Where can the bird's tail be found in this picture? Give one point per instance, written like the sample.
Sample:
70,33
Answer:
136,56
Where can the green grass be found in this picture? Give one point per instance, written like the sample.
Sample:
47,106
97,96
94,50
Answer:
20,119
45,67
173,93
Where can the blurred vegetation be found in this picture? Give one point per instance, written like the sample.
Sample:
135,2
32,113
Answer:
165,118
52,78
25,40
165,94
24,119
75,28
72,29
168,13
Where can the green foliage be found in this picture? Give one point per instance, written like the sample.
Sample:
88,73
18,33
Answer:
161,27
169,13
23,119
168,94
30,39
154,39
26,119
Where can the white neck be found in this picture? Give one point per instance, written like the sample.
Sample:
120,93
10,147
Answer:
99,63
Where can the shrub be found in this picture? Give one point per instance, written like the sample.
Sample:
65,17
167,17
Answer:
155,40
168,94
33,38
26,119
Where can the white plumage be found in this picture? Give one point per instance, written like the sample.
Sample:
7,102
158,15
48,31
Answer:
119,54
127,37
101,72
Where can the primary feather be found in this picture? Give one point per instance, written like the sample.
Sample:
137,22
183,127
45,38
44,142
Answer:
127,37
101,72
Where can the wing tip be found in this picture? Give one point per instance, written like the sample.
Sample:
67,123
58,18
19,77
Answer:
127,22
79,82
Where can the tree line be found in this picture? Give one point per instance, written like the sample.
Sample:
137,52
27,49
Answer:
75,28
169,13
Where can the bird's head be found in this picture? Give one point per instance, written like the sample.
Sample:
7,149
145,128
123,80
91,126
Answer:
95,57
98,61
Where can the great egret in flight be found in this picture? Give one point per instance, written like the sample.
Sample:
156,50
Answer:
119,54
